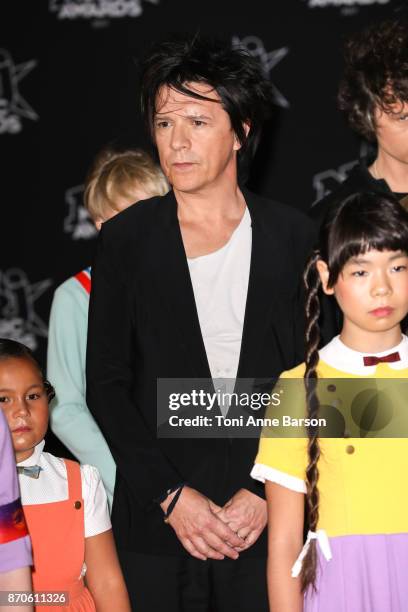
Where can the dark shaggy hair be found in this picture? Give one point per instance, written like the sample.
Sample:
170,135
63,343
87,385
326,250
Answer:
362,222
245,92
11,349
376,73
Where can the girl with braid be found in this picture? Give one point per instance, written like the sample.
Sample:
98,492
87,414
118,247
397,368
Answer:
348,494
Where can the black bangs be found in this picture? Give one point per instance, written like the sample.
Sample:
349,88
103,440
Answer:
362,222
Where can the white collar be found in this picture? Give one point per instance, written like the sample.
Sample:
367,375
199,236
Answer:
339,356
34,459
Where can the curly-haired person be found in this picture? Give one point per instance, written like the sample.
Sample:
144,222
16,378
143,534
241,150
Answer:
373,94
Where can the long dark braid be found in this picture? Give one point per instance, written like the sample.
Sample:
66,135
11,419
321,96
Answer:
361,222
312,284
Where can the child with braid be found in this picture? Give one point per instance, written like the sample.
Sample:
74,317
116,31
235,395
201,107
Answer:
351,492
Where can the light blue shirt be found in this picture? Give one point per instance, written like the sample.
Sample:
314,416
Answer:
71,420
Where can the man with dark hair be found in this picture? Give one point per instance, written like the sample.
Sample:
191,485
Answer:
199,284
374,96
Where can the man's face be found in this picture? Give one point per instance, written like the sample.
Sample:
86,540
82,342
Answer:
392,132
196,144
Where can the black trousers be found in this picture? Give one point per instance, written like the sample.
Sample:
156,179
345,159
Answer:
185,584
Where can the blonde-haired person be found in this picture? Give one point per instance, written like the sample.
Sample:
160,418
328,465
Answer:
116,180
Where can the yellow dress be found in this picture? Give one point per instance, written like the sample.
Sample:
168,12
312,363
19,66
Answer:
363,483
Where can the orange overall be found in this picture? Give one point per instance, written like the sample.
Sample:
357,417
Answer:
57,535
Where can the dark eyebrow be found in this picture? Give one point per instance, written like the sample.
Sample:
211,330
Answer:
5,390
359,260
193,116
398,255
189,116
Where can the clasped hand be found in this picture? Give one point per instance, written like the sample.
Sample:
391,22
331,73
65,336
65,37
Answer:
208,531
246,514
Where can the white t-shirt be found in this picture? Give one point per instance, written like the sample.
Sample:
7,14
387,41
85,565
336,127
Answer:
220,285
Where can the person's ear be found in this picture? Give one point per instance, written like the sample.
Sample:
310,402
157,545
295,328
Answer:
324,273
237,144
98,223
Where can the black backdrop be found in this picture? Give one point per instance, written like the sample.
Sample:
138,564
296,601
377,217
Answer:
68,86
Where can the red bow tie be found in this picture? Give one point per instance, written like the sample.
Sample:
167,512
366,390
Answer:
372,360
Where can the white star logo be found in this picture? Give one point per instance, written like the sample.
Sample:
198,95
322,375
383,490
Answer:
78,223
327,181
10,76
268,60
17,298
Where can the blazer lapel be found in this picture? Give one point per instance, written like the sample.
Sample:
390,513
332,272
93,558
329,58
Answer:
263,280
178,291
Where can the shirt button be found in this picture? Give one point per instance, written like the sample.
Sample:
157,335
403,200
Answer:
350,449
77,505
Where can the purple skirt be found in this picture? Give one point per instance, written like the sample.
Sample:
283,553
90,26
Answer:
368,573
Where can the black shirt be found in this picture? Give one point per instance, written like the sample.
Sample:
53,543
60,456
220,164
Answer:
359,179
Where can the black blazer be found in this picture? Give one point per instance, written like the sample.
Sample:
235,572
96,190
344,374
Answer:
143,325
